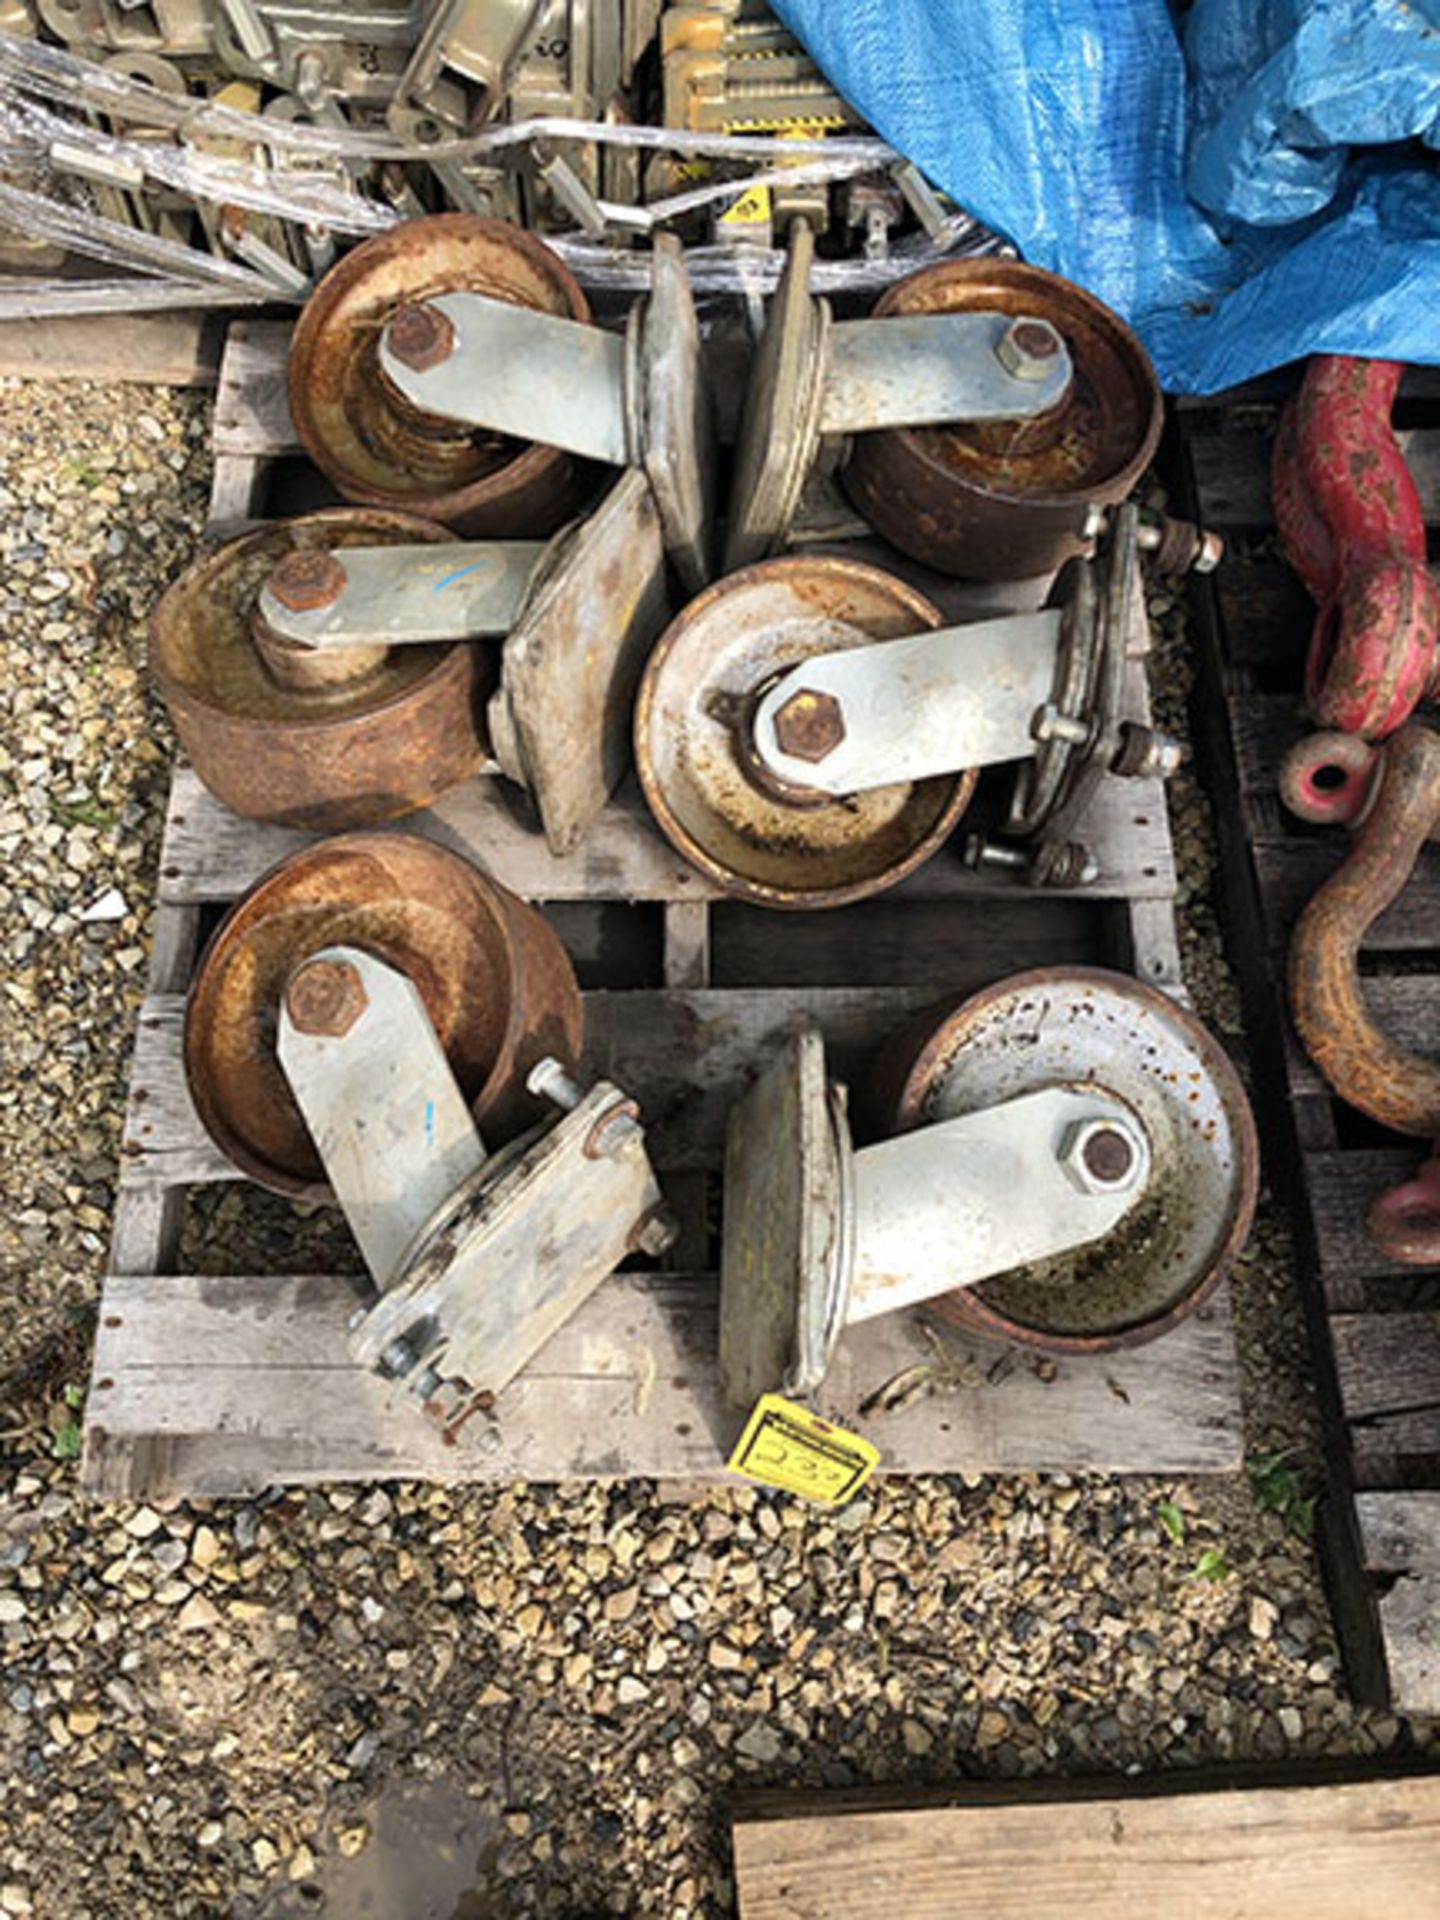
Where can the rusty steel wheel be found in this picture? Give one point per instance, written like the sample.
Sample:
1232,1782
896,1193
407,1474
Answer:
702,781
354,753
496,982
1008,501
1065,1025
376,447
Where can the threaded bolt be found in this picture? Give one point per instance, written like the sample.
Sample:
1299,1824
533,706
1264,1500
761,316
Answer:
809,725
1028,348
421,337
306,579
325,998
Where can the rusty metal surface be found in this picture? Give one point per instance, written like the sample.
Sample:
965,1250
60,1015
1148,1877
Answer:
1327,997
496,983
696,697
344,753
1066,1025
1353,528
376,447
1009,500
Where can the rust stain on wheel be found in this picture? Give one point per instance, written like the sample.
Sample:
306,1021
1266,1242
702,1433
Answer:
374,446
352,754
496,982
698,769
1007,500
1059,1026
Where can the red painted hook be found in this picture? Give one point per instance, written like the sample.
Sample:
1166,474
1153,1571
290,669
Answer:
1353,528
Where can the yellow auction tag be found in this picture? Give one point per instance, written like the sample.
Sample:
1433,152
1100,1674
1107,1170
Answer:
752,207
789,1447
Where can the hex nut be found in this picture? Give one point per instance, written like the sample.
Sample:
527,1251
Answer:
306,579
1099,1157
420,337
325,998
613,1131
1028,348
1146,753
809,725
656,1233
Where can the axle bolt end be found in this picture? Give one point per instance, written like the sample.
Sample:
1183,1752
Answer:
307,579
325,998
809,725
1028,348
420,337
1099,1157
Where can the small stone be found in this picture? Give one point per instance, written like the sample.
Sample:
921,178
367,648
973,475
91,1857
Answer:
110,906
15,1899
529,1620
993,1728
759,1743
12,1608
211,1834
142,1523
82,1721
684,1753
630,1692
1292,1724
302,1863
620,1606
205,1548
264,1855
198,1615
1263,1616
353,1840
725,1657
917,1739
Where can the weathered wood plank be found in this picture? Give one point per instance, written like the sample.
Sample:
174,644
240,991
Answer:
1268,618
249,1382
1339,1187
252,413
687,943
1401,1531
685,1056
177,349
212,854
1232,469
1290,871
1377,1444
1410,1626
1362,1852
1387,1362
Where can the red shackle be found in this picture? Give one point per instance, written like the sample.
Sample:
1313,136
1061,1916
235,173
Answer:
1352,525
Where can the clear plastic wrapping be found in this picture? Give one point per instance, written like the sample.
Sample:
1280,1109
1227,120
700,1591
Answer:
270,191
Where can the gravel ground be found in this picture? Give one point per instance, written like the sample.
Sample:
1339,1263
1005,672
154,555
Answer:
475,1703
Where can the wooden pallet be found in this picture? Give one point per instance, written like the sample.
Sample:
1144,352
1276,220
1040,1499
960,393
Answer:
1089,1850
210,1386
1375,1324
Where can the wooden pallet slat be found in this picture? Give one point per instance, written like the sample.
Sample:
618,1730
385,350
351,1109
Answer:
1363,1851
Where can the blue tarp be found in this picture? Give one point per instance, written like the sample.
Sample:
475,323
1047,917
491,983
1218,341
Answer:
1268,190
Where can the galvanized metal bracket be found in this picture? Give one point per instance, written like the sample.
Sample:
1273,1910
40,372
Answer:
477,1260
580,613
1045,691
635,400
818,1236
814,378
932,703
